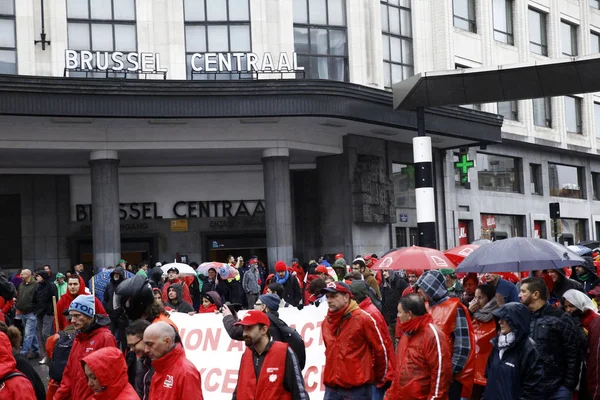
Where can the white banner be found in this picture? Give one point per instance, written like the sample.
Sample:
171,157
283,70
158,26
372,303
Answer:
217,356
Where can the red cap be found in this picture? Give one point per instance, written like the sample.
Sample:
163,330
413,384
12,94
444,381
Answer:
280,266
321,269
339,255
367,257
337,287
254,317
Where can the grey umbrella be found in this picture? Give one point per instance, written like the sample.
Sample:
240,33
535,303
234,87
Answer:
519,254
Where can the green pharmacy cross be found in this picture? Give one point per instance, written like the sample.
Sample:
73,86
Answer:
463,165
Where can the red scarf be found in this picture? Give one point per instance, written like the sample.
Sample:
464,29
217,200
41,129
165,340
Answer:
335,318
588,317
409,327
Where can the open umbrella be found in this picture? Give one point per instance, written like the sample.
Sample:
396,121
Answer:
204,267
519,254
580,250
414,258
101,280
592,244
481,242
184,269
459,253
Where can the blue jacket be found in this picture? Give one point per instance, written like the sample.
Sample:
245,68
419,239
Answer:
518,374
508,290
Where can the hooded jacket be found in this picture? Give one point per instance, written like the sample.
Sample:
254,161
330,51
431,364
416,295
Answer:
590,281
95,337
355,353
562,285
61,288
372,282
65,301
454,320
42,298
424,361
175,377
215,300
108,364
155,275
109,293
179,304
391,291
186,296
591,322
18,387
518,374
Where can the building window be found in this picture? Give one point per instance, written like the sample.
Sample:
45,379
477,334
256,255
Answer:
536,179
538,39
572,231
398,63
542,112
464,15
566,181
102,26
217,26
8,42
595,4
597,118
403,179
320,38
401,237
568,39
573,114
594,42
503,21
498,173
498,227
509,110
596,185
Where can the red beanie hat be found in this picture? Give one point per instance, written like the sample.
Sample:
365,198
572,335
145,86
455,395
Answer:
280,266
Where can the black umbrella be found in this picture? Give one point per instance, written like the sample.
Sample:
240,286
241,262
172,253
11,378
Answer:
592,244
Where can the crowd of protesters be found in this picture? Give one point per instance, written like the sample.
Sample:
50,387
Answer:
388,334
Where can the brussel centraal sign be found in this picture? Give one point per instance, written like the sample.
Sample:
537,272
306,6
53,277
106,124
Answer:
85,60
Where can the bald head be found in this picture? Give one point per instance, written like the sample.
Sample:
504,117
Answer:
26,275
159,339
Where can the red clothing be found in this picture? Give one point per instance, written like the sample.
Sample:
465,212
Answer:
5,307
186,291
164,318
424,361
297,268
205,310
591,322
484,333
249,388
108,364
355,352
74,383
65,301
18,387
309,279
368,306
175,377
444,316
408,291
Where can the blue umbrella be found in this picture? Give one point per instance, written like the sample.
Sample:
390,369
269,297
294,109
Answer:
519,254
101,280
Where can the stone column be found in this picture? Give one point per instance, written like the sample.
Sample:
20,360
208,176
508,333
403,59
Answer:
278,204
106,229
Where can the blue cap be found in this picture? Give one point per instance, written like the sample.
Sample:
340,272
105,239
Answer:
83,304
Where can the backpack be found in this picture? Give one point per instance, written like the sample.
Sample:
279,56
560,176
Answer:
62,349
9,376
293,339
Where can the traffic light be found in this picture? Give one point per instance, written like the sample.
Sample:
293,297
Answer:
554,210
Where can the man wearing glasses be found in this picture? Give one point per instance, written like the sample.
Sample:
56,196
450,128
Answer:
139,365
92,334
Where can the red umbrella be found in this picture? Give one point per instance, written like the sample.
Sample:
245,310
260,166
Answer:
457,254
414,258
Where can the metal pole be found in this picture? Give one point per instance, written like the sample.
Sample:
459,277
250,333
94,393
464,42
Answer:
424,193
43,40
555,220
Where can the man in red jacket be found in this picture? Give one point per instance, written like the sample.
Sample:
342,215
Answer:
75,287
173,279
268,369
355,354
92,334
424,359
14,385
175,377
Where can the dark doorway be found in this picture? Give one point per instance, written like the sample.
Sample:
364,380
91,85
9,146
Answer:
133,250
218,248
10,234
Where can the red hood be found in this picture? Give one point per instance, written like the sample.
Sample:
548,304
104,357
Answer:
7,361
108,364
81,290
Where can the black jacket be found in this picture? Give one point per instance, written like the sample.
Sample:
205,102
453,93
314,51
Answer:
139,372
391,292
291,290
592,280
518,374
556,340
42,298
562,285
109,294
178,305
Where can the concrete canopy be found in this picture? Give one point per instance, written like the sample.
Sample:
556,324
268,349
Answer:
499,83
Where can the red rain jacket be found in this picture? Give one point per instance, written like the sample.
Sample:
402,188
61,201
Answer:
65,301
175,377
368,306
17,387
108,364
424,365
186,291
74,383
355,352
